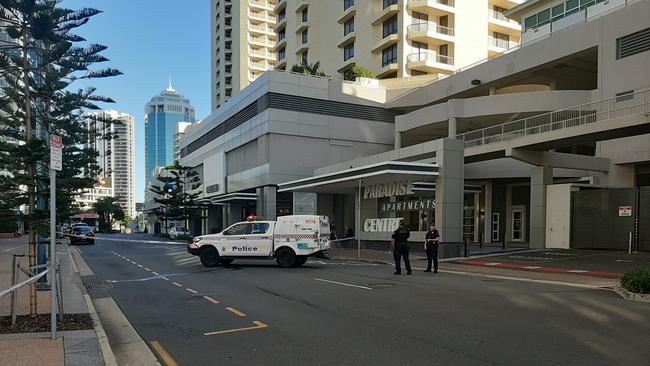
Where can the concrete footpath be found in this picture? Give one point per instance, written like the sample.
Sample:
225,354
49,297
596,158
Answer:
71,348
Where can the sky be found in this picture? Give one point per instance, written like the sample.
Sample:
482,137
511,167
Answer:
149,41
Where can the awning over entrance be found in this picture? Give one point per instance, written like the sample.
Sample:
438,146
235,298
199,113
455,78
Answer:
347,181
229,198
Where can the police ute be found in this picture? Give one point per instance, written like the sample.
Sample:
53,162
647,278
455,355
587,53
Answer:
289,239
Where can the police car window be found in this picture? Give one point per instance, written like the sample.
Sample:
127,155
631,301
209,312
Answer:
259,228
241,229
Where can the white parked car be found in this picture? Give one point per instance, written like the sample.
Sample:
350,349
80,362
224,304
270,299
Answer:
289,240
175,232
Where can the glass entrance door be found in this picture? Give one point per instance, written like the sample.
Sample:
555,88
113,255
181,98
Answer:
518,224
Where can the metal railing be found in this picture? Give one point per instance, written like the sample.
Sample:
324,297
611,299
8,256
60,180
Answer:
260,15
620,106
260,28
430,56
430,27
501,43
441,2
260,40
260,53
493,14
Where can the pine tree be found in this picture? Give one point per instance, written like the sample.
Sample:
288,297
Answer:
38,63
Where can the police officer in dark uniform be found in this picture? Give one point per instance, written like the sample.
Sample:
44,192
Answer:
401,249
431,241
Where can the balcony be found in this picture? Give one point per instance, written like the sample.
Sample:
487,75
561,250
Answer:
430,62
387,70
262,16
261,4
350,37
260,66
430,33
346,64
435,8
281,4
257,53
280,23
260,29
280,43
498,22
347,14
385,42
497,45
260,41
386,13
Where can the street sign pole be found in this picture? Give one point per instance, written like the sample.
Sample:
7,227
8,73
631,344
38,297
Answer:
56,162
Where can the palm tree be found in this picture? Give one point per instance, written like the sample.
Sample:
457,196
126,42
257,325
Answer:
309,69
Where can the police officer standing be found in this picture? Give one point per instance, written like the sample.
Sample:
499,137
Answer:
431,241
400,248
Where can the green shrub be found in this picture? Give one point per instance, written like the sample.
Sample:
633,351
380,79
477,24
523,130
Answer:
358,72
637,281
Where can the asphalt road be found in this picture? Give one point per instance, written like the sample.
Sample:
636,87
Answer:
345,313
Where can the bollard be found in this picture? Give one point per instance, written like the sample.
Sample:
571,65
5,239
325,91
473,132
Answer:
14,278
466,247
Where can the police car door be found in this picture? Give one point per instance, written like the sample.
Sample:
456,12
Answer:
261,239
234,239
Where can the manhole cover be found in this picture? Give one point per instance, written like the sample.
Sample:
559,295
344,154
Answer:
380,285
99,286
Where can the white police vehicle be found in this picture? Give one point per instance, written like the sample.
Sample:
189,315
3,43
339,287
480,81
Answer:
290,240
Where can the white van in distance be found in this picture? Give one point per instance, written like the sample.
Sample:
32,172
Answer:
290,240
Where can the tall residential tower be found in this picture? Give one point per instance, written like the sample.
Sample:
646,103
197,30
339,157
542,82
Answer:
393,38
242,45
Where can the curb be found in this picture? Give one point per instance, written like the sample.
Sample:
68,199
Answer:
631,296
138,351
539,269
102,339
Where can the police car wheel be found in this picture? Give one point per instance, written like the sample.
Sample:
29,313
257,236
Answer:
286,258
209,257
226,262
301,260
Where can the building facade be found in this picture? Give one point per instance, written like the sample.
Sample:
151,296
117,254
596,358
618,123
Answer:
115,143
242,42
163,114
545,146
393,38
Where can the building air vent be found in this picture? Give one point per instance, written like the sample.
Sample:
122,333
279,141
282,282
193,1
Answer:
633,43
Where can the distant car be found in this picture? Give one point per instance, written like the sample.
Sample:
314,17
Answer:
82,234
175,232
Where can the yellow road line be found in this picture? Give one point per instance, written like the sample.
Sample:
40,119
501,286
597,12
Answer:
258,325
235,311
211,299
192,291
177,284
164,356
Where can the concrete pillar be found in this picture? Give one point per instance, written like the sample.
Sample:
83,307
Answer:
266,202
493,90
304,203
540,177
452,127
449,190
553,85
398,139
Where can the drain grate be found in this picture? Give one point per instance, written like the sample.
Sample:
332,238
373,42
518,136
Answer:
99,286
380,285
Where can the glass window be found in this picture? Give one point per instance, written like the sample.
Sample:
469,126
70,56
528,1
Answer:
388,3
543,16
390,27
282,54
282,34
305,14
239,229
348,27
557,10
259,228
348,52
571,5
305,36
304,58
389,55
347,4
530,22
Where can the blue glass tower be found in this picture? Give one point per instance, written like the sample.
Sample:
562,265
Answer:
162,115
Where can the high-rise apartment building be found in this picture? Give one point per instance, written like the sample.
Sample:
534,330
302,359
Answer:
163,113
116,157
242,45
393,38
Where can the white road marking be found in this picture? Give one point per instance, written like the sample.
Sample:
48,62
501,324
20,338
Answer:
492,264
343,284
531,267
577,271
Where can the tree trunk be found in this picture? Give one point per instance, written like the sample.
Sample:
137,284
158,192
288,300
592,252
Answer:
31,170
